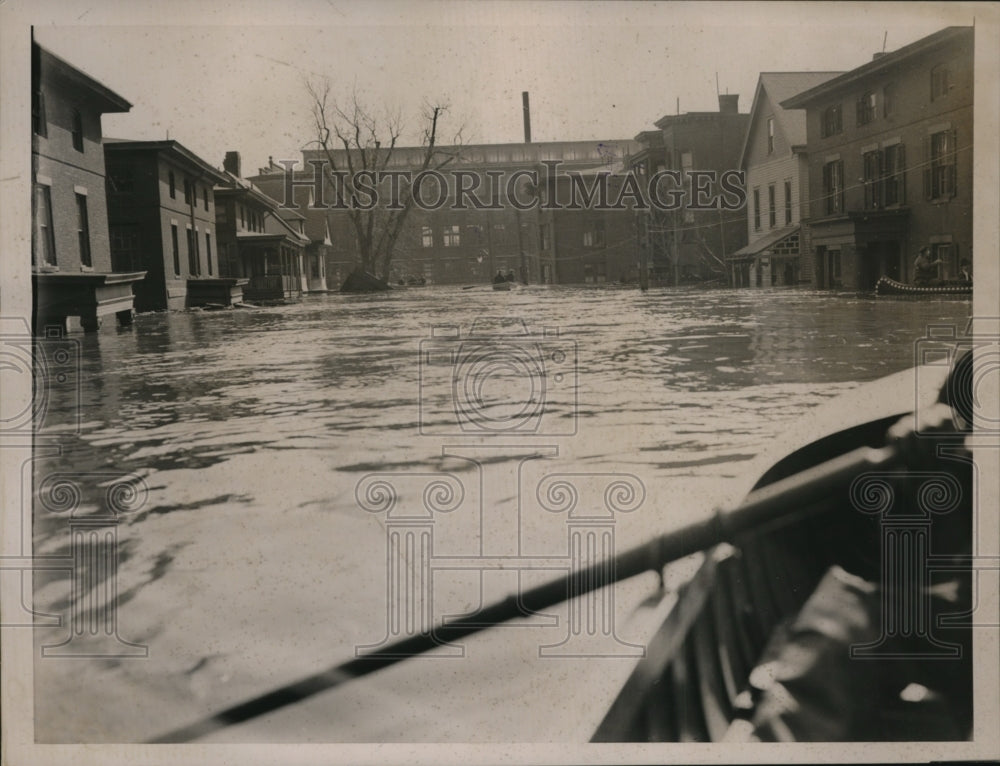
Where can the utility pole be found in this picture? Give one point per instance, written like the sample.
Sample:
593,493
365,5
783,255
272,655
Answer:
642,240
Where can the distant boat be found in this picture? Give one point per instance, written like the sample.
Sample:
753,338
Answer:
505,286
359,281
888,286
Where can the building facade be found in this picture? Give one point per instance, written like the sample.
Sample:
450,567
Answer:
161,209
315,224
890,163
72,272
256,242
698,242
456,244
777,184
589,246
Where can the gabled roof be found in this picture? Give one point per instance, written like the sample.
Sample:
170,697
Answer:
921,46
273,184
46,65
234,185
169,148
780,86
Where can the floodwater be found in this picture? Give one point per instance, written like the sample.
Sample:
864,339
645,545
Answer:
252,546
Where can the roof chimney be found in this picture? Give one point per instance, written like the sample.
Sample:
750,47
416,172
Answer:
527,117
232,163
877,56
729,103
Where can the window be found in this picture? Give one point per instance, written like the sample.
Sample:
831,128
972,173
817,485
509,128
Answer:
888,99
427,236
893,175
771,204
756,209
943,251
788,202
452,236
770,135
543,237
77,130
204,193
866,108
208,251
125,252
832,121
177,249
44,250
38,121
939,176
120,178
243,213
939,82
171,182
871,179
187,191
833,186
83,229
594,236
192,242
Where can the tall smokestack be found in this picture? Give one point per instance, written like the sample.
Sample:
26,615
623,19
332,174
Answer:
527,117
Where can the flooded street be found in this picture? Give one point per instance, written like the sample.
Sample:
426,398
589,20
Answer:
254,555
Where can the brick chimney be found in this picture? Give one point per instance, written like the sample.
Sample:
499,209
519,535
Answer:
729,104
232,163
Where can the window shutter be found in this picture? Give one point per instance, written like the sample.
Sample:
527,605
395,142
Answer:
901,172
953,164
826,186
840,185
928,190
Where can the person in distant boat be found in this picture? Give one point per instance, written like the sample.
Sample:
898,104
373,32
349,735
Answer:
925,269
965,270
510,275
499,277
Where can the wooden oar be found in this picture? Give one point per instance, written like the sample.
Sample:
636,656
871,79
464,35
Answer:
782,501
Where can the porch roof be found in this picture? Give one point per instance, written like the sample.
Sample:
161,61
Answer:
770,240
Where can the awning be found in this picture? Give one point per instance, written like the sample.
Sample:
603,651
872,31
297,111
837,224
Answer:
774,239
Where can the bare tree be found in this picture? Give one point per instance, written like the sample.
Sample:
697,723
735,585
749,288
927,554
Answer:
355,138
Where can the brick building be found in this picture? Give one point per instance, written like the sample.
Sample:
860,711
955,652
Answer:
777,183
161,216
890,162
589,246
698,242
456,246
72,273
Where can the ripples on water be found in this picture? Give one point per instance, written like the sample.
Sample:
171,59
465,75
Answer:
251,429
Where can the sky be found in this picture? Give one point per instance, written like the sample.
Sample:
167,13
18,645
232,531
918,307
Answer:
233,76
